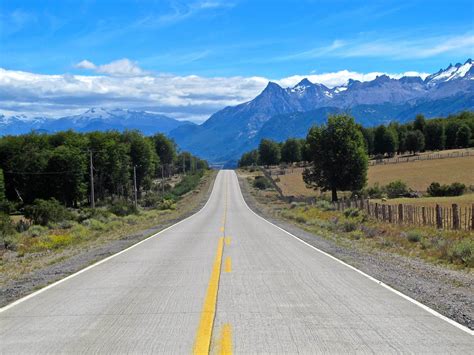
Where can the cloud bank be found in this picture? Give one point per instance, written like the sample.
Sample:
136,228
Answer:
122,83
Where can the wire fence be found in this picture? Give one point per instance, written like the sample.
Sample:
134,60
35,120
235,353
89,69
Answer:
450,218
432,156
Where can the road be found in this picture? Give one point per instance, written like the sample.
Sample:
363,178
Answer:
224,280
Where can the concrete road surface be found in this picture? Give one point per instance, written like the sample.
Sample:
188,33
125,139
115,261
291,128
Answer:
224,280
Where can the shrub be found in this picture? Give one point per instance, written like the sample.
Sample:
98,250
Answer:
43,212
167,205
7,231
396,189
152,200
325,205
351,212
455,189
369,232
261,183
100,214
374,191
123,208
413,236
349,226
462,252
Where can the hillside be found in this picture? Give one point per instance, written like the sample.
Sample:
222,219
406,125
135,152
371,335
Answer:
279,113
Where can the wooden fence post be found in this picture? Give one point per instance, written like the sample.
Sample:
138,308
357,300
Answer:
384,212
368,207
423,215
472,217
390,213
439,219
456,222
376,210
400,213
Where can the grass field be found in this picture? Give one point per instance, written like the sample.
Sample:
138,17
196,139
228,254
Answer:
418,175
466,200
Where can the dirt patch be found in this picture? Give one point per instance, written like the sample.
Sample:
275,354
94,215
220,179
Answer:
449,292
71,261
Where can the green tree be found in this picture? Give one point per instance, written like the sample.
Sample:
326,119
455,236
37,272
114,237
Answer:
269,152
339,160
66,180
419,123
451,131
415,141
385,141
305,152
2,187
368,134
165,148
249,158
291,151
434,135
463,136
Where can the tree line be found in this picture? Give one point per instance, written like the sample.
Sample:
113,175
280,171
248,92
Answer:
44,166
455,131
339,150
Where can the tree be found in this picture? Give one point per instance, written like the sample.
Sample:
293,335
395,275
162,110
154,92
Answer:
249,158
2,187
419,123
434,135
463,136
291,151
305,152
164,147
415,141
268,152
339,160
451,131
368,134
385,141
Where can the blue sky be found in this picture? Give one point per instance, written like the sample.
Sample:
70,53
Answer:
230,39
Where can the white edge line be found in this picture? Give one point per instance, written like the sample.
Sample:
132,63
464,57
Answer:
31,295
408,298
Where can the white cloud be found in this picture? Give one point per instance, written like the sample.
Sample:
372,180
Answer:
120,67
398,47
189,97
85,64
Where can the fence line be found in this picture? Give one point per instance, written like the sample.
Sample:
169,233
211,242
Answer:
432,156
449,218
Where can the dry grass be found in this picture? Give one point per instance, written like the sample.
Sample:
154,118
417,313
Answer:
420,174
466,200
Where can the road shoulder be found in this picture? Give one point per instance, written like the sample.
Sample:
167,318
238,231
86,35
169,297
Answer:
449,292
79,258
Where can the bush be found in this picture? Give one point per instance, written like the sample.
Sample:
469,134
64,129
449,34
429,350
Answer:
101,214
462,252
167,205
351,212
349,226
43,212
261,183
396,189
455,189
374,191
413,236
325,205
123,208
7,230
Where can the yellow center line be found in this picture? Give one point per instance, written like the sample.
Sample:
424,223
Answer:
204,333
226,340
227,240
228,264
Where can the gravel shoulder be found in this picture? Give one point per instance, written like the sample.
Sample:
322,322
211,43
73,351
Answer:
449,292
82,256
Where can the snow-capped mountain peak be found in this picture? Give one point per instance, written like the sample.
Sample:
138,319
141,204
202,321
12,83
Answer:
452,72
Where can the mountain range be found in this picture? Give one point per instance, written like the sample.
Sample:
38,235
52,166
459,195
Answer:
279,113
94,119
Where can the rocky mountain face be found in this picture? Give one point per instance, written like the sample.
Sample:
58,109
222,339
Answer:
95,119
280,113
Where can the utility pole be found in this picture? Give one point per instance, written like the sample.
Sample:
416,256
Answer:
92,180
135,185
162,181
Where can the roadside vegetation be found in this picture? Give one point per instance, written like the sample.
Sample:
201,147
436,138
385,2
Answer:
47,206
334,159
